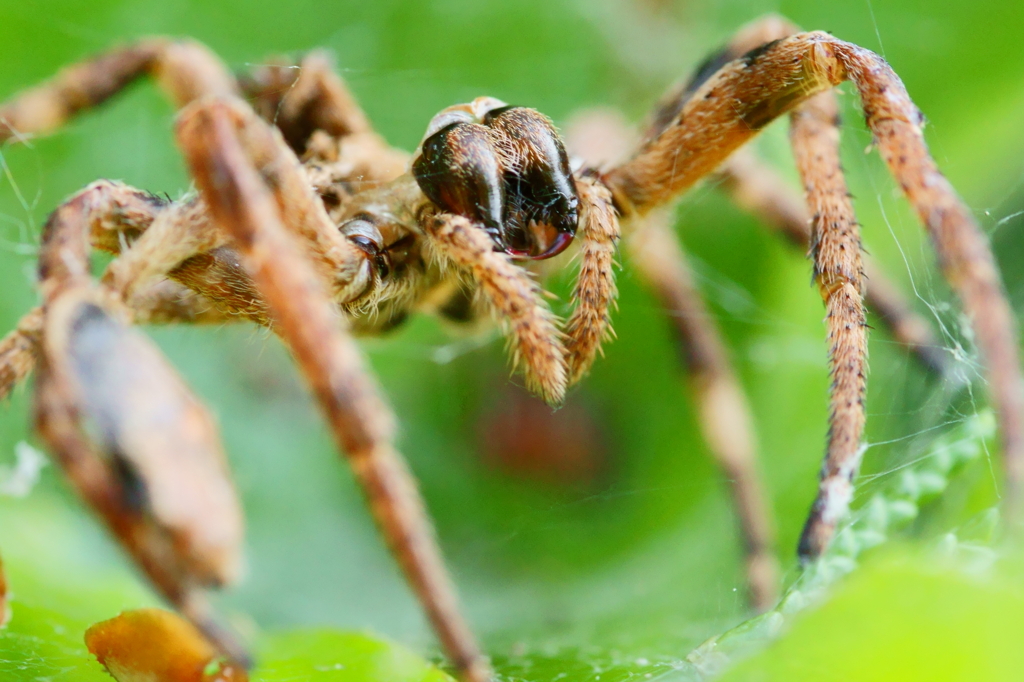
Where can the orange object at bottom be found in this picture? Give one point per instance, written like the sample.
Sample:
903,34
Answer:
153,645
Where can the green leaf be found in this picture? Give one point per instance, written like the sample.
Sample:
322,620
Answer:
41,644
331,656
56,597
903,617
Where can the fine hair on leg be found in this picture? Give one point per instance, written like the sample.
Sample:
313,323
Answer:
594,294
835,251
757,188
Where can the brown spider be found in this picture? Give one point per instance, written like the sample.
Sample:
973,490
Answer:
306,222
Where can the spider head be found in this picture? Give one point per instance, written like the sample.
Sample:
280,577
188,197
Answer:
506,168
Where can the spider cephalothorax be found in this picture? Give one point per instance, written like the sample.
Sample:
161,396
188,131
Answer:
308,223
502,167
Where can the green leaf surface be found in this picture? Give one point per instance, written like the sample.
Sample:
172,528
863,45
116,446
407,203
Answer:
907,616
333,656
41,644
56,598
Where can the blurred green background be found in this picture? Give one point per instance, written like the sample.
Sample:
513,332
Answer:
604,547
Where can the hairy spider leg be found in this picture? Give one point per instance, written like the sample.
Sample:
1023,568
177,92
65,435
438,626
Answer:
185,70
221,141
756,187
963,250
835,247
746,94
835,250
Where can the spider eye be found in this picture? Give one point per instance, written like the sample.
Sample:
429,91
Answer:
367,237
363,232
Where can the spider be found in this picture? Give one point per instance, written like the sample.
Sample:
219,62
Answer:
306,222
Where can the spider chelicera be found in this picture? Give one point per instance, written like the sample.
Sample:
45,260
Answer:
308,223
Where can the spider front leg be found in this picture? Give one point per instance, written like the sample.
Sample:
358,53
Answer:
744,96
512,294
223,144
835,250
756,187
589,323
